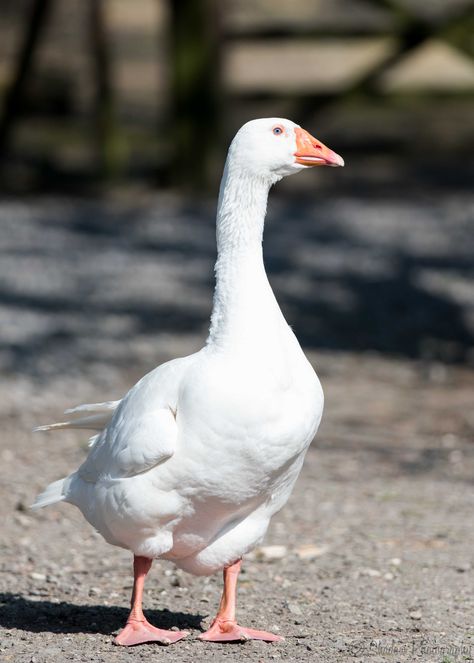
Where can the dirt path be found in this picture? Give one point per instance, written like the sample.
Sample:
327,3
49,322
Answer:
378,538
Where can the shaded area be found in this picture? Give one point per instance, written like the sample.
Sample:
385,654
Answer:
89,282
360,284
45,616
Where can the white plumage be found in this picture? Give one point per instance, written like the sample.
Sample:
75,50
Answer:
199,455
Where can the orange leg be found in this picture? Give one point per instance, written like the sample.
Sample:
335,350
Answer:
138,629
224,628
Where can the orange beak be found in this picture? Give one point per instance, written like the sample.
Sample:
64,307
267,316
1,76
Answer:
311,152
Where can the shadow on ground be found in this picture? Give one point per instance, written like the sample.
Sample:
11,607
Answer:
85,281
45,616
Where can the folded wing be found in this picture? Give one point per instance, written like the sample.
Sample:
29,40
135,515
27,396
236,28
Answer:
132,445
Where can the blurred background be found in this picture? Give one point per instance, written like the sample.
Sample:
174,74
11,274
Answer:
109,99
115,117
110,89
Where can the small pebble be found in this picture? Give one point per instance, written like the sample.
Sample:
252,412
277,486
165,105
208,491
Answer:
373,573
294,608
415,614
308,552
22,520
37,576
270,553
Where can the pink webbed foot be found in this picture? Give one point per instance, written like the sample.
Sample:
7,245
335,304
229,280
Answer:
230,631
138,632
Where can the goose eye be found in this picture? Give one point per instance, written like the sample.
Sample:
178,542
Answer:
277,131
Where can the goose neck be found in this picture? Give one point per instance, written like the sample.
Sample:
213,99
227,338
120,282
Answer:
243,295
241,210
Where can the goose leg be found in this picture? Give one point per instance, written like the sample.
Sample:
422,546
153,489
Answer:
224,628
138,629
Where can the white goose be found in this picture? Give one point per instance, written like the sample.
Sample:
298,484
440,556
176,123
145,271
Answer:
197,457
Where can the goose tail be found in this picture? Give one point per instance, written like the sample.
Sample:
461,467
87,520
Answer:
93,416
53,493
97,416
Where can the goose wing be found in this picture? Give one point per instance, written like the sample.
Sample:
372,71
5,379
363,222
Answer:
143,430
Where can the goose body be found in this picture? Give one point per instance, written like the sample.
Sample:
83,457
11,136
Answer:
198,456
230,445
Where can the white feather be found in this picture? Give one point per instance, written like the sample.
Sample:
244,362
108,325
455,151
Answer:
106,406
52,494
102,415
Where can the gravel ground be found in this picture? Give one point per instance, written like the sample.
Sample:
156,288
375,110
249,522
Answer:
375,546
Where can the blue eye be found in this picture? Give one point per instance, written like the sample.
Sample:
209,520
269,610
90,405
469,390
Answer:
277,131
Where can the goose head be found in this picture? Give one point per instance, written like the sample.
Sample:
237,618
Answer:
273,148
